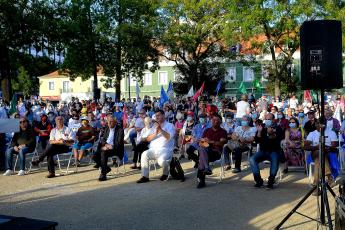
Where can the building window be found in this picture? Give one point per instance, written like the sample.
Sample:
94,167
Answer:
248,74
147,78
51,85
65,86
230,74
132,80
162,78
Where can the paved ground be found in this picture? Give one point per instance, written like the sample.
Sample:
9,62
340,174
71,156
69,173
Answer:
79,201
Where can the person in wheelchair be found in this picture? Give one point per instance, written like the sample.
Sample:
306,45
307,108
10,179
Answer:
241,140
85,137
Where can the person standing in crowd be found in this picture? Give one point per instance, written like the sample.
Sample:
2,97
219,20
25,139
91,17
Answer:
268,136
118,114
242,108
331,122
60,141
23,142
294,154
293,102
160,148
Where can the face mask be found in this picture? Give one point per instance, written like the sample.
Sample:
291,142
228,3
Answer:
301,114
254,116
292,125
189,118
268,123
280,116
244,123
228,120
202,120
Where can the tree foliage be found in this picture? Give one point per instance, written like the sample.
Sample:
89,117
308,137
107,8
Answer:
271,27
192,38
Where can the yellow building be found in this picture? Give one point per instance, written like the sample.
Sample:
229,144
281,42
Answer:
56,87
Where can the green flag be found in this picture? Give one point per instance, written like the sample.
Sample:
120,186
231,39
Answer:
313,96
13,105
242,88
257,84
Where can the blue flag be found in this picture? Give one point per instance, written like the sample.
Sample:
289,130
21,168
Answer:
170,90
137,90
164,97
219,85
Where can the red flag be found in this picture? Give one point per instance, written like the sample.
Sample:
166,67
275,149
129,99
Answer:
199,92
124,117
307,95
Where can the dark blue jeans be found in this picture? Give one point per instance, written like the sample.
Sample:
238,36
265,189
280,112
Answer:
9,158
260,156
132,136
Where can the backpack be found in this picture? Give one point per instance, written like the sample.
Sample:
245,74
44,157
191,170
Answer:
176,170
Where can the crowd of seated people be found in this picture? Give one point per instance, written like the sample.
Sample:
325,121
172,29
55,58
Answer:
269,131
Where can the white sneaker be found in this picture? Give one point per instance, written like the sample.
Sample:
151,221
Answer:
21,173
8,172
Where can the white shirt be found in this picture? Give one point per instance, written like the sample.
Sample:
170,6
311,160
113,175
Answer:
293,103
160,141
145,132
74,125
110,139
64,133
314,137
139,123
251,132
243,108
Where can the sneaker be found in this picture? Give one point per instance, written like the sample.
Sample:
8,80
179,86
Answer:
201,184
21,173
236,170
143,180
96,166
163,177
134,166
8,172
258,184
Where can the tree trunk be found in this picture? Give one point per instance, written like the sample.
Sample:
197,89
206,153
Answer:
276,87
5,72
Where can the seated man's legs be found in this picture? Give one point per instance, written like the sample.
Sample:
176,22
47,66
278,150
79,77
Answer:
132,136
138,150
50,152
105,154
145,158
226,152
238,157
9,158
191,155
163,159
273,157
254,165
317,170
206,155
21,154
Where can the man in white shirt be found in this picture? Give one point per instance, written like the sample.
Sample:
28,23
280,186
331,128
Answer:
160,148
59,142
312,144
242,108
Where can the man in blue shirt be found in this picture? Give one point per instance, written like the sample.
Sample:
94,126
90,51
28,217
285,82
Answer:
197,133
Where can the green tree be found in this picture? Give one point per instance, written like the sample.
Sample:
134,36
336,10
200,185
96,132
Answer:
192,38
23,83
114,35
278,22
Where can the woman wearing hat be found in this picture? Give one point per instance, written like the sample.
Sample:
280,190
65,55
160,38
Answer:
85,137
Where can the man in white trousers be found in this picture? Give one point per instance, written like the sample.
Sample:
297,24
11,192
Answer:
161,147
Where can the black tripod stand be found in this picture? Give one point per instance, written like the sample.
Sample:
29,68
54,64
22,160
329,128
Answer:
322,185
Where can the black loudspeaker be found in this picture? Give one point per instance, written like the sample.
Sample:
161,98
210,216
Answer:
321,55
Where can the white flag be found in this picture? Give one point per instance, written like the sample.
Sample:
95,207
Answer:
191,92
